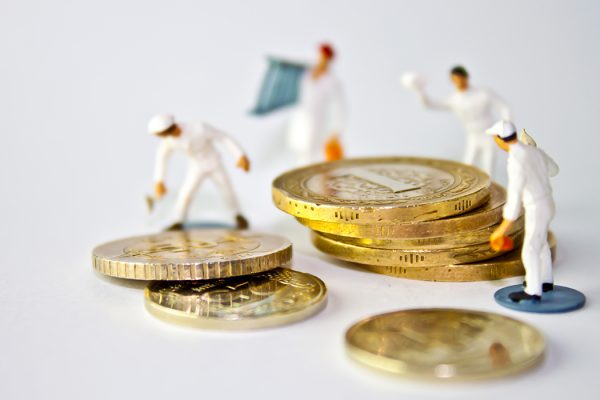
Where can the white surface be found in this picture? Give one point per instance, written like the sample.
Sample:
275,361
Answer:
78,83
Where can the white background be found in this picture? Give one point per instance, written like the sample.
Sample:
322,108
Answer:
78,82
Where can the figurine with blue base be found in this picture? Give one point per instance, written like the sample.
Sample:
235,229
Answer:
197,141
529,170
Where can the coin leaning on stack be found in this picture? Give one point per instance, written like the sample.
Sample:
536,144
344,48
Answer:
410,217
215,278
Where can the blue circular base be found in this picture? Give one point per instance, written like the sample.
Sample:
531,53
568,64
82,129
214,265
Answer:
561,299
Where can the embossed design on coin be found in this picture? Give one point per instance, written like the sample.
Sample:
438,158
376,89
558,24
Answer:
380,182
275,297
445,344
181,245
375,190
192,255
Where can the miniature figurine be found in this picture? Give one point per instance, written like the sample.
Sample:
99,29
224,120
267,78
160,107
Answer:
319,116
476,108
529,171
197,141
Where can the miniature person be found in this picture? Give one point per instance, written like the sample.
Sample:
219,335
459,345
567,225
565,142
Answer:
197,141
529,171
319,117
477,109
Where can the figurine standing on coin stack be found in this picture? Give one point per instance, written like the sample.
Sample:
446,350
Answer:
529,171
404,216
197,141
476,108
215,278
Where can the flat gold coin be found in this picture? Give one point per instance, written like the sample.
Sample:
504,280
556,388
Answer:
277,297
459,239
406,258
381,190
192,255
488,214
505,266
445,344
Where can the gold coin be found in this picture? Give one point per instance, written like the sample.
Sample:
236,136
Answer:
381,190
505,266
277,297
192,255
447,344
488,214
460,239
406,258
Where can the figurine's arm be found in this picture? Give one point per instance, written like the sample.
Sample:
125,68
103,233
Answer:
416,83
162,157
500,105
512,207
514,191
230,144
433,104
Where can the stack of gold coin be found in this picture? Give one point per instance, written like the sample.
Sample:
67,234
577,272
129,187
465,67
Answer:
215,278
404,216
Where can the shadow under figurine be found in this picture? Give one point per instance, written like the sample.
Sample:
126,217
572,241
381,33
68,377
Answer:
529,170
197,142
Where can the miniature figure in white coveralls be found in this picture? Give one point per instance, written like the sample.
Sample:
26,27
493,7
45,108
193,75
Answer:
477,109
318,119
197,141
529,171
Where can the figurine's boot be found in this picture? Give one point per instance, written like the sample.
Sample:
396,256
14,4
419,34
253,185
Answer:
546,287
522,295
241,222
177,226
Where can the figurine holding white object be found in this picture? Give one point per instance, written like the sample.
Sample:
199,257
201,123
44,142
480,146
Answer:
197,141
320,115
529,170
477,109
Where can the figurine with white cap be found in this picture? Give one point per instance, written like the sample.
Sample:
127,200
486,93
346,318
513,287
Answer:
476,108
529,170
197,141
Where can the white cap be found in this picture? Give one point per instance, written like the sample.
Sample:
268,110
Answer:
502,128
160,123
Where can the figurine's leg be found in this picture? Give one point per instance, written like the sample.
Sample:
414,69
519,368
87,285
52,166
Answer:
488,156
221,179
537,220
545,253
546,263
470,149
186,193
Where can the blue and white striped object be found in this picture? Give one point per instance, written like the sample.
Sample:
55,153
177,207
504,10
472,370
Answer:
280,86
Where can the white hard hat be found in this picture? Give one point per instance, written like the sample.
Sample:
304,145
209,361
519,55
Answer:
160,123
502,128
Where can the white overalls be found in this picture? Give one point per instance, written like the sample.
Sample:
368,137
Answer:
197,142
529,171
319,114
477,109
